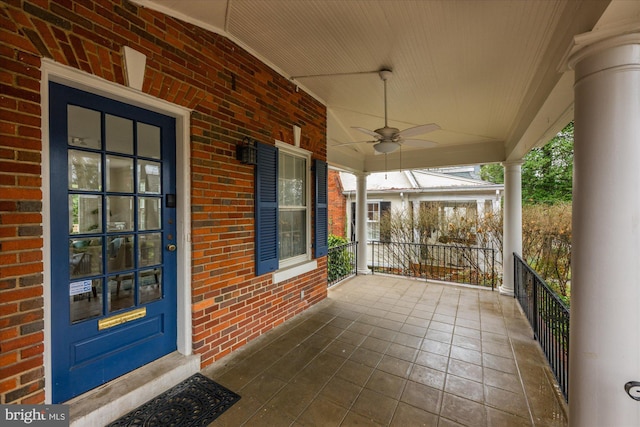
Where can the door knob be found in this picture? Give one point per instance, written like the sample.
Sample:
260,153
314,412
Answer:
171,247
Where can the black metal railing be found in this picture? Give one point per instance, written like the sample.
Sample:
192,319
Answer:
342,261
459,264
549,319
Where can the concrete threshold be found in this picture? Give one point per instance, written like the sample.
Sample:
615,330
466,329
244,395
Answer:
116,398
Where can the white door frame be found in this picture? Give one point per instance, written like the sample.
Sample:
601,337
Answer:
53,71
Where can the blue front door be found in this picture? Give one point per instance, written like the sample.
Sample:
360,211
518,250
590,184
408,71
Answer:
113,231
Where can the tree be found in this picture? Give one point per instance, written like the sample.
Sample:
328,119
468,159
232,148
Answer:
547,172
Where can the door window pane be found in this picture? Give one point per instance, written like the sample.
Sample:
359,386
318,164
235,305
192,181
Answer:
120,213
83,126
148,141
121,291
85,171
85,305
150,250
85,213
150,285
149,213
119,134
149,177
119,253
119,174
85,257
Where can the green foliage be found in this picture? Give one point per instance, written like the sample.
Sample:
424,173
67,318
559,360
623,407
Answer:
493,172
340,260
547,172
336,240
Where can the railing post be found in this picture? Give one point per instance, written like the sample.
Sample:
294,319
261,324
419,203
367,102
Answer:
356,257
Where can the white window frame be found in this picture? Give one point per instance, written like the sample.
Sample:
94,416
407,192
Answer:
298,152
370,229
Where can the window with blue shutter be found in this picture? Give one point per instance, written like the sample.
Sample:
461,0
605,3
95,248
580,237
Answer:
266,188
321,210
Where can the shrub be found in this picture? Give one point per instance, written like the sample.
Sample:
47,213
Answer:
339,259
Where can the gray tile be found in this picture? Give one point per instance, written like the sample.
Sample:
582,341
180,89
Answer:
467,342
402,352
502,380
422,396
386,384
506,401
375,344
314,367
262,388
466,388
355,372
463,411
498,363
322,412
440,326
440,336
433,360
408,340
466,370
407,415
366,357
395,366
341,391
496,418
437,347
427,376
467,355
375,406
355,419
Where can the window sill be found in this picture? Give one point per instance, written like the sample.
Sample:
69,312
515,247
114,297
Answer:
294,271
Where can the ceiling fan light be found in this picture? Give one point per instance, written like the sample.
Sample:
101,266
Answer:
386,147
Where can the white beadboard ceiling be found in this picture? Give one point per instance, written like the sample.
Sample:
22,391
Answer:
488,72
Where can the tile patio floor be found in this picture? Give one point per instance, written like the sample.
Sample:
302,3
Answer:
391,351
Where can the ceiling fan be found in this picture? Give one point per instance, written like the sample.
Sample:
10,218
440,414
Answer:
388,139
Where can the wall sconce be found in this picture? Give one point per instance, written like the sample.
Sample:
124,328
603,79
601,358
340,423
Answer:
247,152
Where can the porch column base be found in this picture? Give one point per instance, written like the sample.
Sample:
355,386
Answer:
506,291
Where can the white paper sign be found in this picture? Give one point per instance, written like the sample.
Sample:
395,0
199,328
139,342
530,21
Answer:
81,287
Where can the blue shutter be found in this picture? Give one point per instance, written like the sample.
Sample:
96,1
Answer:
266,209
321,213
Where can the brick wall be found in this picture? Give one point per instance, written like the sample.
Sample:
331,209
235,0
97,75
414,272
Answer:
337,205
231,93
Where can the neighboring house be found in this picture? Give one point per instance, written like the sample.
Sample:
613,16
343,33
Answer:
455,191
337,205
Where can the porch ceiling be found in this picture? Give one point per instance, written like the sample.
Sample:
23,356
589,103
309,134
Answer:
488,72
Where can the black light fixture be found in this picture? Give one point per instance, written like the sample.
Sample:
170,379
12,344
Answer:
247,152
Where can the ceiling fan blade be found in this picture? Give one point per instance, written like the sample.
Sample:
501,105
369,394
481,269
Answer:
342,144
422,143
368,132
419,130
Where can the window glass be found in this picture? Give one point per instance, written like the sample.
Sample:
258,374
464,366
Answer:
119,134
84,128
373,221
148,140
292,199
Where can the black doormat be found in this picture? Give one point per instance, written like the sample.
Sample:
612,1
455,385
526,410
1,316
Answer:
196,401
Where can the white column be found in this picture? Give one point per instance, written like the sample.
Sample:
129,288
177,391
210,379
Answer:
605,292
512,223
361,222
